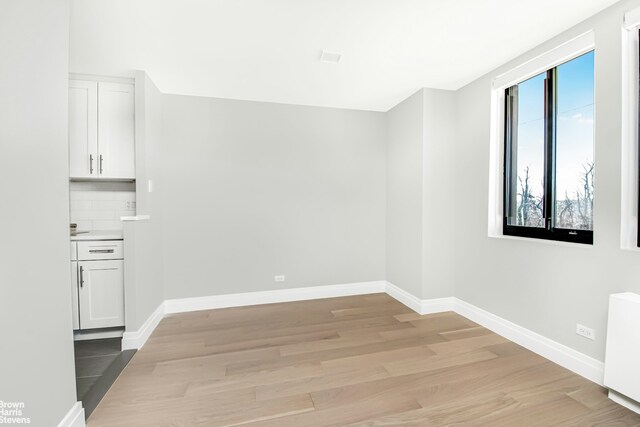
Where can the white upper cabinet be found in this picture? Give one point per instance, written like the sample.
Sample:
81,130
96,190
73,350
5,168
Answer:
116,130
83,129
101,130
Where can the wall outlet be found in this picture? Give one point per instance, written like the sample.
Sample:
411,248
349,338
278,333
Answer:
279,278
585,332
130,205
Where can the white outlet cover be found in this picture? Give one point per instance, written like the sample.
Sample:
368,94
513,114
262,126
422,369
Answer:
279,278
585,331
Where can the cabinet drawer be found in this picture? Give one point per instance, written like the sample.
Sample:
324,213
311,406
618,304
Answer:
104,249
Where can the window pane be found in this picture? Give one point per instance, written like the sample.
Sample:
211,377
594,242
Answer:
528,153
574,144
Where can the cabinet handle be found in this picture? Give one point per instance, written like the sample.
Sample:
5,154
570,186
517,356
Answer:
101,251
90,164
100,164
81,277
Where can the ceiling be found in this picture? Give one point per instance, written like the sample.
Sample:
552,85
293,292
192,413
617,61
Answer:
269,50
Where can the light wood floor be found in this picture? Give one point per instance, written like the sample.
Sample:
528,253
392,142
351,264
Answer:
365,360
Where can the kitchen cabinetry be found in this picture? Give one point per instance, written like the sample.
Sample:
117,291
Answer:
99,284
74,286
83,128
101,294
74,295
101,130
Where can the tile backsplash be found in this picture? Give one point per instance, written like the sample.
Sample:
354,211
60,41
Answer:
99,205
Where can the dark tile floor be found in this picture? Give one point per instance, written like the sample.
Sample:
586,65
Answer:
98,364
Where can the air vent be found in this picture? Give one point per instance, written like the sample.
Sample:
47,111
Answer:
330,57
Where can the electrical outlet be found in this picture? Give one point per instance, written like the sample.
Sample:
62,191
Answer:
585,332
130,205
279,278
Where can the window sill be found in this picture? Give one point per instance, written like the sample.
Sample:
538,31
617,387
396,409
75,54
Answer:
544,241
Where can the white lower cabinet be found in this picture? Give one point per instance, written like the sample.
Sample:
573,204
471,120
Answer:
74,295
97,285
101,293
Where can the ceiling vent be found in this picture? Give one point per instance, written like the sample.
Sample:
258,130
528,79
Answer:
330,57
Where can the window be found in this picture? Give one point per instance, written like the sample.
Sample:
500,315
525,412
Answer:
638,134
549,165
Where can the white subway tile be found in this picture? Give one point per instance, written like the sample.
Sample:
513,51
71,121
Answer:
125,195
103,195
99,205
113,205
80,205
81,195
107,225
93,215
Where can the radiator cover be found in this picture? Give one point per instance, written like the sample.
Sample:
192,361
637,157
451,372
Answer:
622,359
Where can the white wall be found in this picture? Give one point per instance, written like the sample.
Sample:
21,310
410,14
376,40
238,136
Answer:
546,287
143,239
420,182
36,360
438,193
252,190
404,156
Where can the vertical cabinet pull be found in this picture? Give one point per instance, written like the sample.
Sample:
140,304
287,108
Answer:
81,277
100,164
90,164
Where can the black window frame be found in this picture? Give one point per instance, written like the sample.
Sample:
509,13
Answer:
549,231
638,145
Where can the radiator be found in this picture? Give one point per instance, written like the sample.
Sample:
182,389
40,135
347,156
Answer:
622,359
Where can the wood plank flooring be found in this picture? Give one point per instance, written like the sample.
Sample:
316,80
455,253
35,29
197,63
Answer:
361,361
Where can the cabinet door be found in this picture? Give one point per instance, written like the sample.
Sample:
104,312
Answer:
83,129
74,296
116,131
101,290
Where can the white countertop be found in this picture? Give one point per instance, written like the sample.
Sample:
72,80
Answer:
98,235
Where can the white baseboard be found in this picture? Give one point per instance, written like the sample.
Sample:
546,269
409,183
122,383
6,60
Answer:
411,301
560,354
623,400
420,306
437,305
267,297
74,418
135,340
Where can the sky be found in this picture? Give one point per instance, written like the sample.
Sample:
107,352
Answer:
575,131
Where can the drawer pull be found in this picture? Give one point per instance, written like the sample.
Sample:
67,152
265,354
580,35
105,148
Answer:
100,251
